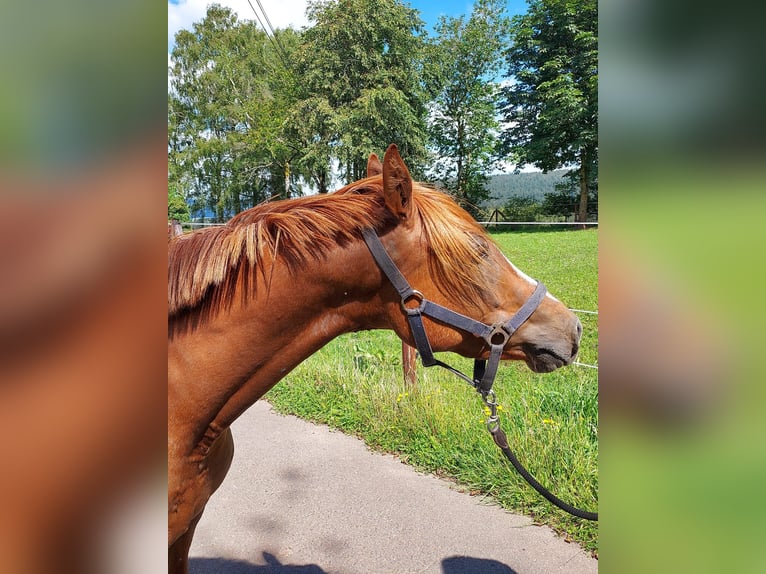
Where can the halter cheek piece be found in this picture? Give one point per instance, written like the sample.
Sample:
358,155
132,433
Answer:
415,305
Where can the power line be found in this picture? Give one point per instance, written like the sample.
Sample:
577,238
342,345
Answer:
278,48
273,33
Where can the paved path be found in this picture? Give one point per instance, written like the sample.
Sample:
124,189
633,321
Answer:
302,499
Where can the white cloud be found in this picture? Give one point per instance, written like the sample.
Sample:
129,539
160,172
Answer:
281,13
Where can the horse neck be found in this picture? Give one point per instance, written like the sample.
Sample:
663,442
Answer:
222,367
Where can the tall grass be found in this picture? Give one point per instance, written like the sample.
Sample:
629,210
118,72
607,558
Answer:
438,425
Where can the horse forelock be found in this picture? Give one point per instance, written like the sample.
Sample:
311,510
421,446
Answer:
454,239
205,267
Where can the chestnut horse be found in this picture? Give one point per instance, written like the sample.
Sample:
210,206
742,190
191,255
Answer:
252,299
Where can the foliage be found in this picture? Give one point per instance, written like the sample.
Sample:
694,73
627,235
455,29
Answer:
355,383
227,103
178,209
565,201
360,83
463,58
519,208
538,196
551,106
251,118
504,186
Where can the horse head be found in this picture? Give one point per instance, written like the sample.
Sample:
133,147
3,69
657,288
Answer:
451,260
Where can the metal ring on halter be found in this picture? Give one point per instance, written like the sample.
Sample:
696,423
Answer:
417,296
499,335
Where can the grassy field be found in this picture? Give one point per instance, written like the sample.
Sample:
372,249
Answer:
355,384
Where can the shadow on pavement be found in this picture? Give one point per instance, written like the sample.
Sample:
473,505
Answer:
452,565
467,565
272,566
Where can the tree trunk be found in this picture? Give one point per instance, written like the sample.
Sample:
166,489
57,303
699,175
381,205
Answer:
287,179
237,202
321,180
582,216
459,187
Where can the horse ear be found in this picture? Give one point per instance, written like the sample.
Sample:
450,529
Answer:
374,167
397,183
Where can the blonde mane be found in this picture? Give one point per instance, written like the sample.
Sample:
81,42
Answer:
206,266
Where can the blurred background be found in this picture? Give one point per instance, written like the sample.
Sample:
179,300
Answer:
83,397
682,453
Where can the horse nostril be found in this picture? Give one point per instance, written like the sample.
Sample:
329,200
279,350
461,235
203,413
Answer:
576,344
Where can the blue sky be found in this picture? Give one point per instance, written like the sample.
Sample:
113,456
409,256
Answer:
282,13
430,10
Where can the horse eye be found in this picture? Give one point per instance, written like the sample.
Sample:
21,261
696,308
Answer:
482,247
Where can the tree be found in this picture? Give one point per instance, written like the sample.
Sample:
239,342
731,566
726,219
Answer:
520,208
566,199
178,209
551,106
227,105
360,84
465,57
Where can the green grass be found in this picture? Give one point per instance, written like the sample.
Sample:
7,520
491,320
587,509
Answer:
355,384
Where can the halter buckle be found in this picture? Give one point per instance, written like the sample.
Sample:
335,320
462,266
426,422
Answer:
490,403
417,296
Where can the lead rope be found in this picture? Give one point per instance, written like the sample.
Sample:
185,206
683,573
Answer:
501,440
484,374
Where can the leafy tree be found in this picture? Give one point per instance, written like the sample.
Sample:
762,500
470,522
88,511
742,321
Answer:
465,57
310,127
228,101
519,208
566,199
360,84
551,106
178,209
275,129
201,102
525,184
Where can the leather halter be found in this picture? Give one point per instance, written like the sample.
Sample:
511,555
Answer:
415,305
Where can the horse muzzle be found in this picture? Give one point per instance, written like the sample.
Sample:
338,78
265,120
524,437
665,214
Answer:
547,356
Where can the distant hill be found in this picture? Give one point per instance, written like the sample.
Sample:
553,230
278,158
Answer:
534,185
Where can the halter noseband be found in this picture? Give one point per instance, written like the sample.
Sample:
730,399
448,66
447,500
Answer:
496,335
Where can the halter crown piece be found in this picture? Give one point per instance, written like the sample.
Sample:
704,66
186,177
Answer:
415,305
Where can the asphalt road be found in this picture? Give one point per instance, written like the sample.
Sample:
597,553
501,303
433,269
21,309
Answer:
302,499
